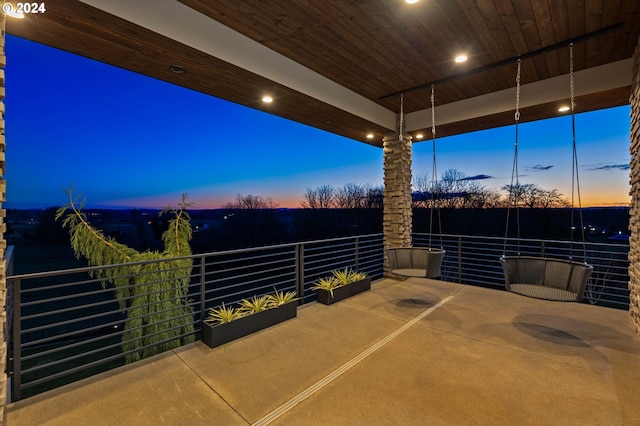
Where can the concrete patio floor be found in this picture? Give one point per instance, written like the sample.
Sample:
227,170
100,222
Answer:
406,352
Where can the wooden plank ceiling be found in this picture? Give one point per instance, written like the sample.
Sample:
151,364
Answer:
371,48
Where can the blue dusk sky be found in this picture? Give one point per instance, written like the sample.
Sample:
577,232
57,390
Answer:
124,140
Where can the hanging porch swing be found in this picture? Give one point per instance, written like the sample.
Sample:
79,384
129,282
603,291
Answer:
419,262
543,277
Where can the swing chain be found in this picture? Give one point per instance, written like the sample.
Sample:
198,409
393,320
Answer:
434,173
401,125
517,113
433,112
571,81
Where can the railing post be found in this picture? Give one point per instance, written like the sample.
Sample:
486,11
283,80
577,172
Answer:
542,248
299,260
202,288
16,380
357,252
460,260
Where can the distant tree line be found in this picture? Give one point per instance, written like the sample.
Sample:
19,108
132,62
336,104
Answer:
349,196
456,190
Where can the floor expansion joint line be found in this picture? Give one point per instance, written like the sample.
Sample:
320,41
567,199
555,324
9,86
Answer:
344,367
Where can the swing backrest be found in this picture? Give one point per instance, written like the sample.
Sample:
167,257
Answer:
415,261
545,278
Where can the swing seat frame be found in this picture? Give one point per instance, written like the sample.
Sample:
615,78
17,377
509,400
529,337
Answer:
546,278
418,262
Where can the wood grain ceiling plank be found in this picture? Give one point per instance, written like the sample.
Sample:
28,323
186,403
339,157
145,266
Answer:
606,43
375,61
503,46
409,64
317,44
593,21
560,26
486,36
513,33
465,16
447,30
576,28
436,17
542,14
627,37
526,17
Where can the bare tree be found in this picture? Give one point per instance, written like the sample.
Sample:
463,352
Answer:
481,197
374,197
424,191
350,196
322,197
251,202
454,190
532,196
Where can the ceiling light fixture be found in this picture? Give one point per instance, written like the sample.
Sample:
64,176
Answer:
267,99
461,58
369,135
419,136
563,109
411,1
177,69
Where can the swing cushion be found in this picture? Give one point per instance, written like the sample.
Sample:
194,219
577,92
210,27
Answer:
417,262
545,278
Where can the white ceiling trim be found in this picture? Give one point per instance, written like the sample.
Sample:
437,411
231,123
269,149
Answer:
592,80
174,20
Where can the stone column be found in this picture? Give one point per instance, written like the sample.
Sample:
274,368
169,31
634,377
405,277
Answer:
397,217
4,332
634,220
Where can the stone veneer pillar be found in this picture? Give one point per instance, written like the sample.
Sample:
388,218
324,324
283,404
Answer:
634,220
397,218
4,332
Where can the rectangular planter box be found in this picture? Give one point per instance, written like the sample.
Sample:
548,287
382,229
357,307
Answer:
344,292
219,334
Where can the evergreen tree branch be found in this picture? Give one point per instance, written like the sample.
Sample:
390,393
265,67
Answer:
154,293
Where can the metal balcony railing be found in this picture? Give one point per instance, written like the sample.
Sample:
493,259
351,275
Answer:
66,325
475,260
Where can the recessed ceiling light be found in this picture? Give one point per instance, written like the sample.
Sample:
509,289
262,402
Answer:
419,136
177,69
267,99
563,109
461,58
411,1
369,135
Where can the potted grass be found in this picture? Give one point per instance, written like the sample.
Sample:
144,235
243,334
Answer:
340,285
227,323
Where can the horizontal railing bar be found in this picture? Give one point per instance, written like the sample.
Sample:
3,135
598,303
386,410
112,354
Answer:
244,283
194,256
235,277
95,363
69,321
77,356
243,260
62,336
